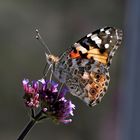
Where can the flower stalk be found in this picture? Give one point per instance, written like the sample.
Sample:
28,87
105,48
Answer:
29,126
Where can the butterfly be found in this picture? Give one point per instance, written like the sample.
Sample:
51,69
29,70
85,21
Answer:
84,67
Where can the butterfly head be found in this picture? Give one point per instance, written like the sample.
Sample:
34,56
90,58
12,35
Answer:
51,59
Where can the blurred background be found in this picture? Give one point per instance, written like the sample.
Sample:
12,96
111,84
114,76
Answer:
61,23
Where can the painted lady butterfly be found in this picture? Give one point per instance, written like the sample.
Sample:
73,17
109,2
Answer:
84,67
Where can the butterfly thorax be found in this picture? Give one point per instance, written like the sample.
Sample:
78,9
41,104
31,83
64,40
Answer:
52,59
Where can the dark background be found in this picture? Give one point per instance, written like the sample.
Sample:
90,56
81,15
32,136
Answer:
62,23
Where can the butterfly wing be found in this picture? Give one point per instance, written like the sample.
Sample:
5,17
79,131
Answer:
100,45
84,67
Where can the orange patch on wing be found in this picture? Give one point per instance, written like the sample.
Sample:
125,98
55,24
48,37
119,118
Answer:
101,78
93,90
94,93
96,87
74,55
95,53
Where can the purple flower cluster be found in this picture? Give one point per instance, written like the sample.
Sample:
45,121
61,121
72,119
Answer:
45,94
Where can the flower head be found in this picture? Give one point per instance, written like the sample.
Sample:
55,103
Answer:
31,93
45,94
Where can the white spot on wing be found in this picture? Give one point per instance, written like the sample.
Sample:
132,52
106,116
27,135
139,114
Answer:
85,75
82,49
96,39
106,46
89,34
93,36
102,29
107,32
76,45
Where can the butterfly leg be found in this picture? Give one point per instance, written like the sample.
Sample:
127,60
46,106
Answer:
51,72
46,73
60,88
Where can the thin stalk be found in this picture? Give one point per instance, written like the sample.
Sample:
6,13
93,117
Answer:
29,126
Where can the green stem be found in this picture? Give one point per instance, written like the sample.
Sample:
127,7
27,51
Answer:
29,126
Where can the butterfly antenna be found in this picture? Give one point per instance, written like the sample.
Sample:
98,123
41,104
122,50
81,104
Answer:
42,42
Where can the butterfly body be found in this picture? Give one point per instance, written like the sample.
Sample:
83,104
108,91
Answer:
84,67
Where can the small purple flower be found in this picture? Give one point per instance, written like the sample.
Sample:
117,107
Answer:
45,94
31,93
